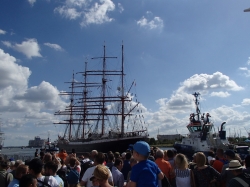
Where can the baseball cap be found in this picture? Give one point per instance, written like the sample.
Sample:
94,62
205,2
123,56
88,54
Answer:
142,148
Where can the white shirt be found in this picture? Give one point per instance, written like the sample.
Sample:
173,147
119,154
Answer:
52,181
89,173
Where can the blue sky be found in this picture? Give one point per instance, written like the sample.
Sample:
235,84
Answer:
172,49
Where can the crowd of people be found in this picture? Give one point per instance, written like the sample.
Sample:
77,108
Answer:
140,166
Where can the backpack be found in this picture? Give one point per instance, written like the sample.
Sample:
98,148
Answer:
85,166
45,182
242,181
62,173
73,177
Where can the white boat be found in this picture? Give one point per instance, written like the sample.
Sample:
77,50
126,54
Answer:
202,136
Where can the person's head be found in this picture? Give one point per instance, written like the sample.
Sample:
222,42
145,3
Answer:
93,153
128,155
132,161
86,155
101,173
18,163
181,161
72,161
159,153
35,166
235,167
247,161
42,154
21,170
111,157
12,165
170,154
118,163
50,168
229,154
117,155
141,150
28,180
99,158
47,157
200,159
220,153
4,164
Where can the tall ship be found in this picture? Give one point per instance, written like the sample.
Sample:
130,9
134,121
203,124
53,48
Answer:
202,134
103,114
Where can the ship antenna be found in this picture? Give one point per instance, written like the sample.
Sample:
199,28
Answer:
196,95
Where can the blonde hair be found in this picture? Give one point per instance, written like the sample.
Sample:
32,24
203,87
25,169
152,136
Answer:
101,172
200,159
181,161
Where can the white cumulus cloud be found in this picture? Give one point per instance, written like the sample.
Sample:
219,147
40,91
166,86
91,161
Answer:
246,101
220,94
32,2
245,70
30,48
90,12
2,31
121,9
97,14
206,82
54,46
68,12
155,23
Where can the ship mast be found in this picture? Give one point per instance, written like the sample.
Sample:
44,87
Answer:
104,81
122,96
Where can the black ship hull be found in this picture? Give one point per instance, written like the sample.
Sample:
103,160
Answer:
105,145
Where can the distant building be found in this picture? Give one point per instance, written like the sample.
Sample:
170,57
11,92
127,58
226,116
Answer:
37,142
169,137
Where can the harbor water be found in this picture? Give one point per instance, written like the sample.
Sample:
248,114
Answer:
29,153
18,153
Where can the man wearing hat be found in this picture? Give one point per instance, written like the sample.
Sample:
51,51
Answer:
240,179
145,172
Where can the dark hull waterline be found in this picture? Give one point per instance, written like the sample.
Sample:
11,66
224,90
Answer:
115,145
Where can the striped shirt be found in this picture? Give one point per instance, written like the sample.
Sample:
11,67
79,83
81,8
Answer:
183,178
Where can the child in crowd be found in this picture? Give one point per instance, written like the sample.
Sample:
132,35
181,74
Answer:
145,173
